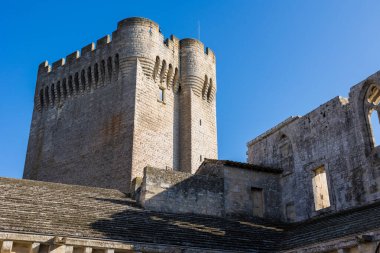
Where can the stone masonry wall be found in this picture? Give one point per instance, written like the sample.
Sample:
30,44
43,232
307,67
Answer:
198,138
336,135
98,120
178,192
238,184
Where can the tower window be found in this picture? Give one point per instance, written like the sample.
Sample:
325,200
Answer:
200,158
161,95
320,189
200,122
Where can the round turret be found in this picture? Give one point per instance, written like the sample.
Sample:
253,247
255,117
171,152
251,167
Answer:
139,37
197,68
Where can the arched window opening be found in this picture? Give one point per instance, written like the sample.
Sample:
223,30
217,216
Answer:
52,94
117,66
109,67
372,108
59,91
156,67
285,154
96,73
41,98
47,98
163,71
209,90
375,127
89,77
169,76
83,79
76,81
205,87
103,70
71,88
64,88
374,95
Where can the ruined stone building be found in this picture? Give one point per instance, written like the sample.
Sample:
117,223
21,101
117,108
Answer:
122,157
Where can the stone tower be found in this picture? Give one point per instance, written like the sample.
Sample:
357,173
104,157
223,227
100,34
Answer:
103,114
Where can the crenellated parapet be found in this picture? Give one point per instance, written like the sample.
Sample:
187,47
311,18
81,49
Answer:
168,62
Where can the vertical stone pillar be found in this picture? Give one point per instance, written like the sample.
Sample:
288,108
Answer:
6,247
34,247
69,249
87,250
57,249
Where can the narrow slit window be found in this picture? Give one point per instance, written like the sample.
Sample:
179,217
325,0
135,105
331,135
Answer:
161,95
320,189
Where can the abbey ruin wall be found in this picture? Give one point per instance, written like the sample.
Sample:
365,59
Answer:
333,143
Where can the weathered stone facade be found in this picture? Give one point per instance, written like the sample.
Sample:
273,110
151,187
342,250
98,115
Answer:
336,136
105,117
102,115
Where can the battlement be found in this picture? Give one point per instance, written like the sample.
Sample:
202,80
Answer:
44,67
194,43
98,63
172,43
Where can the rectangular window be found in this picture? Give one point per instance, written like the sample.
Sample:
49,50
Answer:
257,201
320,189
290,211
161,95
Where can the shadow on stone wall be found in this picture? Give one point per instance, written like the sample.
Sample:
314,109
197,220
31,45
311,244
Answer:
178,192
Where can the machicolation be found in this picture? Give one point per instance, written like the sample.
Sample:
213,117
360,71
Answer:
136,91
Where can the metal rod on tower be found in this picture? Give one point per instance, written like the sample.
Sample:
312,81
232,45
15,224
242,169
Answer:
199,30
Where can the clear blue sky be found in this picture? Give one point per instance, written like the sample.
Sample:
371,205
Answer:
274,58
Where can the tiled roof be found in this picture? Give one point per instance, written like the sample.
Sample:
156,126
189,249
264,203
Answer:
84,212
95,213
333,226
